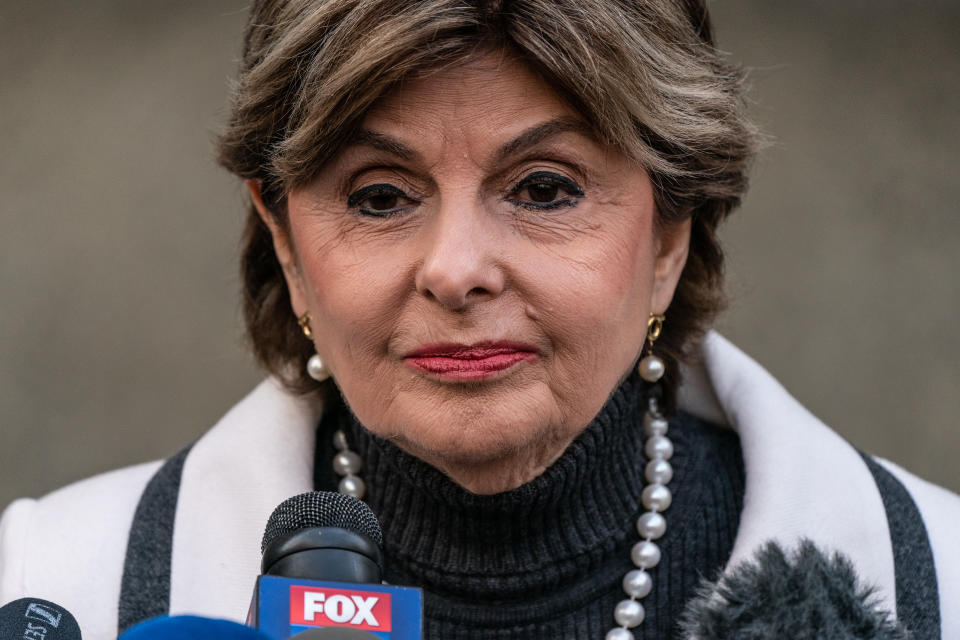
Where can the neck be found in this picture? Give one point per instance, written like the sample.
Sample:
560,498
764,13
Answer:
600,471
546,559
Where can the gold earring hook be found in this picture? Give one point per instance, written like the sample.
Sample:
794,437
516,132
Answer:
654,327
304,322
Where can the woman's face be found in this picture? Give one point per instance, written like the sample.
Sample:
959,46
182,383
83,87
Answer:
478,269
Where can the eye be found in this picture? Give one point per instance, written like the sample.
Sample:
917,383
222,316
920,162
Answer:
379,200
545,190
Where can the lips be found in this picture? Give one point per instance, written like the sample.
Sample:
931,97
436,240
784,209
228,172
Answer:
469,362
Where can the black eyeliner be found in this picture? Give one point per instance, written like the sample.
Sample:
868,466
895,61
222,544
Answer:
549,206
551,178
381,189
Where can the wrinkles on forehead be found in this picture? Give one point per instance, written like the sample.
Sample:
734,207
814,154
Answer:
526,139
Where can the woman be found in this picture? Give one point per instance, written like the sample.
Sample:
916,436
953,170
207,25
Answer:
480,265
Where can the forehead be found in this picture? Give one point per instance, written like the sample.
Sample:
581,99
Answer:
483,101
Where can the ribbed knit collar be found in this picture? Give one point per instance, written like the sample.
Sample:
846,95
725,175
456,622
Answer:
545,534
548,557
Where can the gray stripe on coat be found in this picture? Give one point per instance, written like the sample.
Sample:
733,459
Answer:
918,599
145,587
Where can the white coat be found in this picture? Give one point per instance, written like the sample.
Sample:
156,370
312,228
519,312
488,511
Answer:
802,481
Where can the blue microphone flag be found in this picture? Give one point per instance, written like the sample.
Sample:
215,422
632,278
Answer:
283,607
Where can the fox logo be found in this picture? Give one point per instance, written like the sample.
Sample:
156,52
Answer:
323,607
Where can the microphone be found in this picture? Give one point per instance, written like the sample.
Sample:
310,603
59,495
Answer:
36,619
322,575
189,628
323,535
197,628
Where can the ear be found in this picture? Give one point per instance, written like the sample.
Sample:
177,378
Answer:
673,246
283,248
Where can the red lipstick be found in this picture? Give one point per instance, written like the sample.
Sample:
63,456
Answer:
469,362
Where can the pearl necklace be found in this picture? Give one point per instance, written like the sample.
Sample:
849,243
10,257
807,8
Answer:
651,525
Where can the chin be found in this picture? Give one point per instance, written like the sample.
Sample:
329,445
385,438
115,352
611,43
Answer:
478,434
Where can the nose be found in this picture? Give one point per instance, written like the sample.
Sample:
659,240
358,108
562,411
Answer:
460,259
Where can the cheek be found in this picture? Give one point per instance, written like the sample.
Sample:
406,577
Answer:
592,298
354,295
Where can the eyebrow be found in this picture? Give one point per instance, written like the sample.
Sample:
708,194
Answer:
527,138
538,133
380,142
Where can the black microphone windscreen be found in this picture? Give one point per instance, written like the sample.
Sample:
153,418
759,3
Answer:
322,509
36,618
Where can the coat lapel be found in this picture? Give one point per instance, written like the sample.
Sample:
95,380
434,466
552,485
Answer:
802,479
259,454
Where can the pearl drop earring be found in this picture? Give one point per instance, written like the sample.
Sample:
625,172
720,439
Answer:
652,367
316,368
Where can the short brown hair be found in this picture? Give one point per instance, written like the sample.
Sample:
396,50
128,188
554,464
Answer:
645,73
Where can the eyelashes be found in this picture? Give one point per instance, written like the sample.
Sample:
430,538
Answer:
537,191
379,200
543,189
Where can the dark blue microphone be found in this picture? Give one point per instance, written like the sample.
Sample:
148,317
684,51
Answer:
190,628
322,575
334,633
36,619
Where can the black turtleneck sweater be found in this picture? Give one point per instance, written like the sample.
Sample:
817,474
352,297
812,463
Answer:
546,560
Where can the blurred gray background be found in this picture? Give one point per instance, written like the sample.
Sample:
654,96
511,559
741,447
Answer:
120,338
